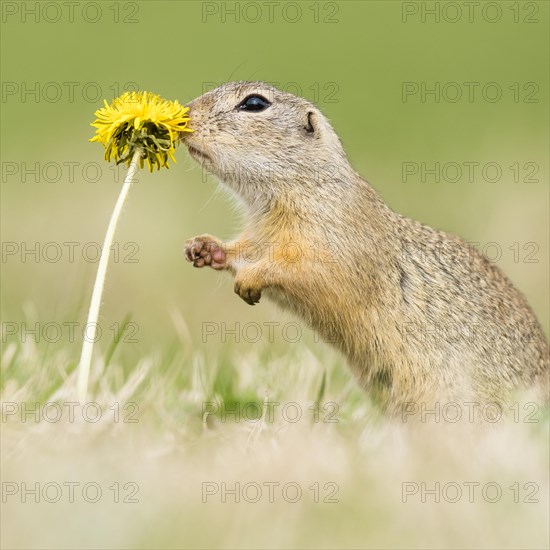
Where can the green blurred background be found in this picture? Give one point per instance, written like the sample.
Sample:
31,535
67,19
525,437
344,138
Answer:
351,58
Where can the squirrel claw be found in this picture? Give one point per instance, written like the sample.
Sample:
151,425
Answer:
250,295
205,251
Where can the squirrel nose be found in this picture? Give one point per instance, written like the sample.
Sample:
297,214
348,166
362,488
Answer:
193,121
191,125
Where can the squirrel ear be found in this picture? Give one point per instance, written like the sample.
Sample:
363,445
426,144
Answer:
311,125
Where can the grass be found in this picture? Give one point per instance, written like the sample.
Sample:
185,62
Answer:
176,456
170,372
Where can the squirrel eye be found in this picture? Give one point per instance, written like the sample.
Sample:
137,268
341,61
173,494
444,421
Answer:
254,103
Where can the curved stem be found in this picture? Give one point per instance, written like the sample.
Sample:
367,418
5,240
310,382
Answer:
90,330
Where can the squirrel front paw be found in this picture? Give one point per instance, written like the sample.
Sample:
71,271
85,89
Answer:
205,250
250,293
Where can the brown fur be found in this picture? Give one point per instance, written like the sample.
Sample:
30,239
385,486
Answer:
389,292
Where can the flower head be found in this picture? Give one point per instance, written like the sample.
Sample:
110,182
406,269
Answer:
140,119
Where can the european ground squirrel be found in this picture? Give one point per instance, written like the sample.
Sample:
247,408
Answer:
421,316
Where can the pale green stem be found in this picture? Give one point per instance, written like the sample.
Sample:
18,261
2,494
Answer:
93,313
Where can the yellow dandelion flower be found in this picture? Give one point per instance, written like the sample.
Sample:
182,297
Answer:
140,120
136,126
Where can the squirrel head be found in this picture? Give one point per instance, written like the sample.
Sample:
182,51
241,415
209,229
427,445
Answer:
262,142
